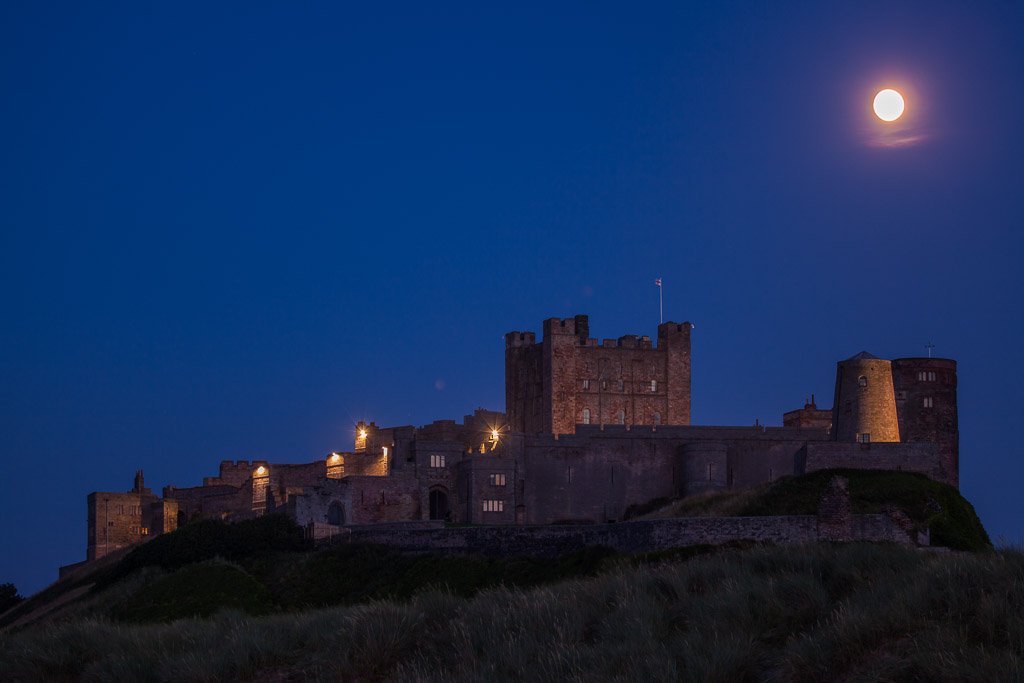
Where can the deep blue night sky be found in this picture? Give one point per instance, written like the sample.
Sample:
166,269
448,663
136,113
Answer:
229,231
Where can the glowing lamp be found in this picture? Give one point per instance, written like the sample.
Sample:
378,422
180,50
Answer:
362,433
335,457
494,434
261,469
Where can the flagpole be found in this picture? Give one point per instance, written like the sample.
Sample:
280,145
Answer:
661,309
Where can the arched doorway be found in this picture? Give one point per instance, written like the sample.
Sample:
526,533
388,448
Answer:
336,514
438,503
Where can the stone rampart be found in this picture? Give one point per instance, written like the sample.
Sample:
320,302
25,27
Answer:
920,457
632,537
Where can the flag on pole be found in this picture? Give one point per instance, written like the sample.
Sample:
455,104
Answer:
658,282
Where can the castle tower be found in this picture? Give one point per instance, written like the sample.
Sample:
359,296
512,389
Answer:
675,338
705,466
865,403
568,378
926,407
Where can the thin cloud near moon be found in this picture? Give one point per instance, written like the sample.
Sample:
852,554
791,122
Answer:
903,139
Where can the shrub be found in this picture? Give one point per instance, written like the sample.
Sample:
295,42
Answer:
198,590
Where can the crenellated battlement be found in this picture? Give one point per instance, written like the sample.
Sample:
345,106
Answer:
517,338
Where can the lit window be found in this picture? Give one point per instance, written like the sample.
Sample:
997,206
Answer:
620,385
497,480
862,380
657,418
437,461
929,402
494,505
586,416
654,385
622,417
864,438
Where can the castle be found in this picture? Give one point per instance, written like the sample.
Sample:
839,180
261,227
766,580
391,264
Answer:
589,429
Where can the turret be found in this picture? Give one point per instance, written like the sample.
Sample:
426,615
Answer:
926,407
675,338
865,404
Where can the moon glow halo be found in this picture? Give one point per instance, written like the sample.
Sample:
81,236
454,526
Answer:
888,105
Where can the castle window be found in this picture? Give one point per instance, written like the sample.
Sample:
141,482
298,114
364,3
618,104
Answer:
654,385
119,509
862,380
924,376
863,438
929,402
586,416
437,461
586,367
586,384
657,418
497,480
494,505
620,385
622,417
931,376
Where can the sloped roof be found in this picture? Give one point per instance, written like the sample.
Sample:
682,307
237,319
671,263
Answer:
864,355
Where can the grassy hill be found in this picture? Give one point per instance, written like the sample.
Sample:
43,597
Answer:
852,612
255,601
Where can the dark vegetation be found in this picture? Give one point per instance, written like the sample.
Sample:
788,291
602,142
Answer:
847,612
254,600
8,597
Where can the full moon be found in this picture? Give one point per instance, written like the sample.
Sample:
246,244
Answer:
888,105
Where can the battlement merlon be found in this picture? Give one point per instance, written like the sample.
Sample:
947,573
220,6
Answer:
517,338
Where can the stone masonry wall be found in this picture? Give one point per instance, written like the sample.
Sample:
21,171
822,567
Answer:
905,457
639,536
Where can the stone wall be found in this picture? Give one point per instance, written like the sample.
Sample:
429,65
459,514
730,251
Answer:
632,537
361,499
903,457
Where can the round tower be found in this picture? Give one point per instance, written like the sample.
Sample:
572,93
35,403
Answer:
865,403
926,408
704,467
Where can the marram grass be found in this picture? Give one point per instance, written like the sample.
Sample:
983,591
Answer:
856,612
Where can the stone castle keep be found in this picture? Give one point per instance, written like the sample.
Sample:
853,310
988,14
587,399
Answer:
589,429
